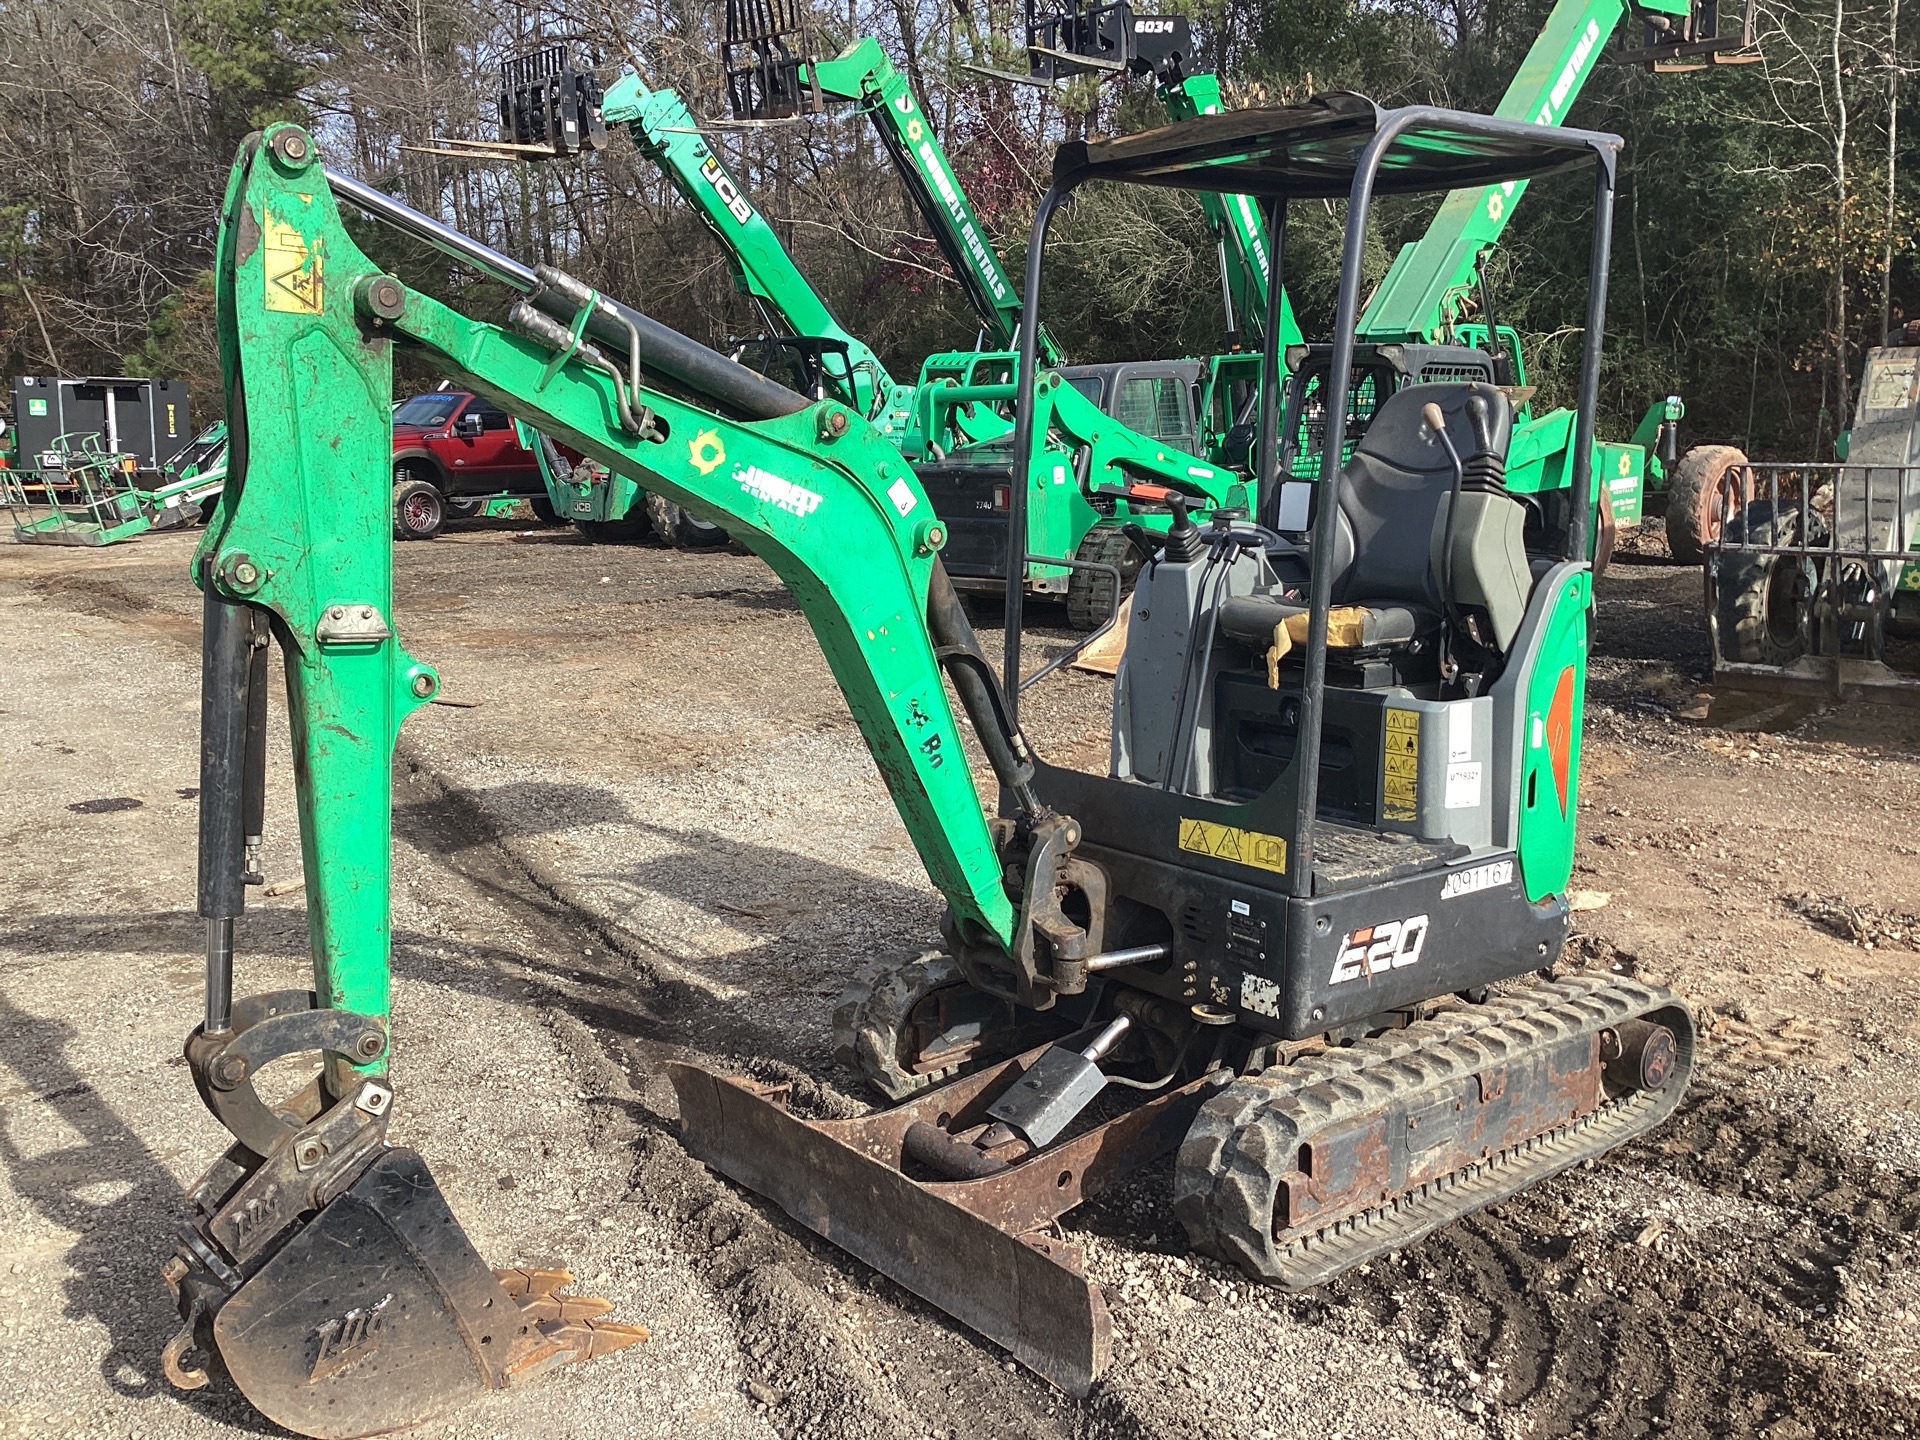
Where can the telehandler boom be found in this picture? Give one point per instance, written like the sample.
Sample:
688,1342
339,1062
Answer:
1340,805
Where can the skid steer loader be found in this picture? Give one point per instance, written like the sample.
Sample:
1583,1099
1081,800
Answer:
1289,934
1815,572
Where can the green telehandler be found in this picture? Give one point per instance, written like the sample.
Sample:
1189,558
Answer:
1416,326
1114,438
952,407
1340,807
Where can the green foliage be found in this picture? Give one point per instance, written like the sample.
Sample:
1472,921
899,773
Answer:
258,54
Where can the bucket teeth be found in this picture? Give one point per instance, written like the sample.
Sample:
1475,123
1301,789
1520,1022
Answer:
565,1308
591,1339
567,1328
523,1283
567,1342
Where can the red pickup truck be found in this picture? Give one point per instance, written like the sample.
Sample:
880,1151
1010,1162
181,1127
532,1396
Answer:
452,452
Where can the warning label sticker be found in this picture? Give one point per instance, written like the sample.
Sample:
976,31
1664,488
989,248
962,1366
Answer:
1889,382
1400,766
296,284
1229,842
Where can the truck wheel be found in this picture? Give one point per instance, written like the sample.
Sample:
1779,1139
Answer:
544,512
464,509
418,510
1763,604
678,528
1697,501
1090,597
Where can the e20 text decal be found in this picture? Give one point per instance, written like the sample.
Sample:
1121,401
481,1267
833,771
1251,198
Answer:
1375,948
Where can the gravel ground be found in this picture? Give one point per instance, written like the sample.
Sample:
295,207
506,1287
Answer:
656,834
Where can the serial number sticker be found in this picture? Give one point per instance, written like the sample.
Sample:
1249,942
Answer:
1259,994
1230,842
1480,877
1459,733
1400,766
1463,786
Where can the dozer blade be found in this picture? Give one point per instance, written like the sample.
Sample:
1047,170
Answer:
977,1249
378,1313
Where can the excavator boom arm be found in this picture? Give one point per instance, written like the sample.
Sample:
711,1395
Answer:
303,532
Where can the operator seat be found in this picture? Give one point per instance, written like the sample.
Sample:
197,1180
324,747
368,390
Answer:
1391,529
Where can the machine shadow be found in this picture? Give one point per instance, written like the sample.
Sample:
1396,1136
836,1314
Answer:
713,873
123,1232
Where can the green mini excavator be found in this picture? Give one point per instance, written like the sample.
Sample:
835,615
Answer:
1288,934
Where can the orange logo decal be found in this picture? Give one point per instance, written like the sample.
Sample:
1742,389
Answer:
1560,733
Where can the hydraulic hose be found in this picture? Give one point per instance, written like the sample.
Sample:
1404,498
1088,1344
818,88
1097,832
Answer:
664,350
959,653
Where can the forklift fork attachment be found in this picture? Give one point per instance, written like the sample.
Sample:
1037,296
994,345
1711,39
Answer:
981,1249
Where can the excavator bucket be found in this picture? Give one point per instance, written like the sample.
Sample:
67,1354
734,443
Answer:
322,1269
983,1248
375,1313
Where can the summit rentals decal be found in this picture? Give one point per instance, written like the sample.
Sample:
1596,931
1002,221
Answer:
782,494
1551,109
941,178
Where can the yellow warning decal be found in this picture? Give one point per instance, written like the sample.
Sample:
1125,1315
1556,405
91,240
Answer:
1400,766
1229,842
705,452
296,284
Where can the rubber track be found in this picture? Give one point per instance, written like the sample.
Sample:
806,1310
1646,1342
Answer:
872,1015
1247,1137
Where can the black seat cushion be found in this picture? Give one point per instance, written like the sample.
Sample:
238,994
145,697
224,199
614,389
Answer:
1391,493
1392,489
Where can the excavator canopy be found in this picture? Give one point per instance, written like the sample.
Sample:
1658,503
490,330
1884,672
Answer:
1313,151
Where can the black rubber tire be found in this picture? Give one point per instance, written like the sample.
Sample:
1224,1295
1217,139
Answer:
1762,602
1696,499
869,1023
634,529
419,510
465,508
676,527
1090,592
544,512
